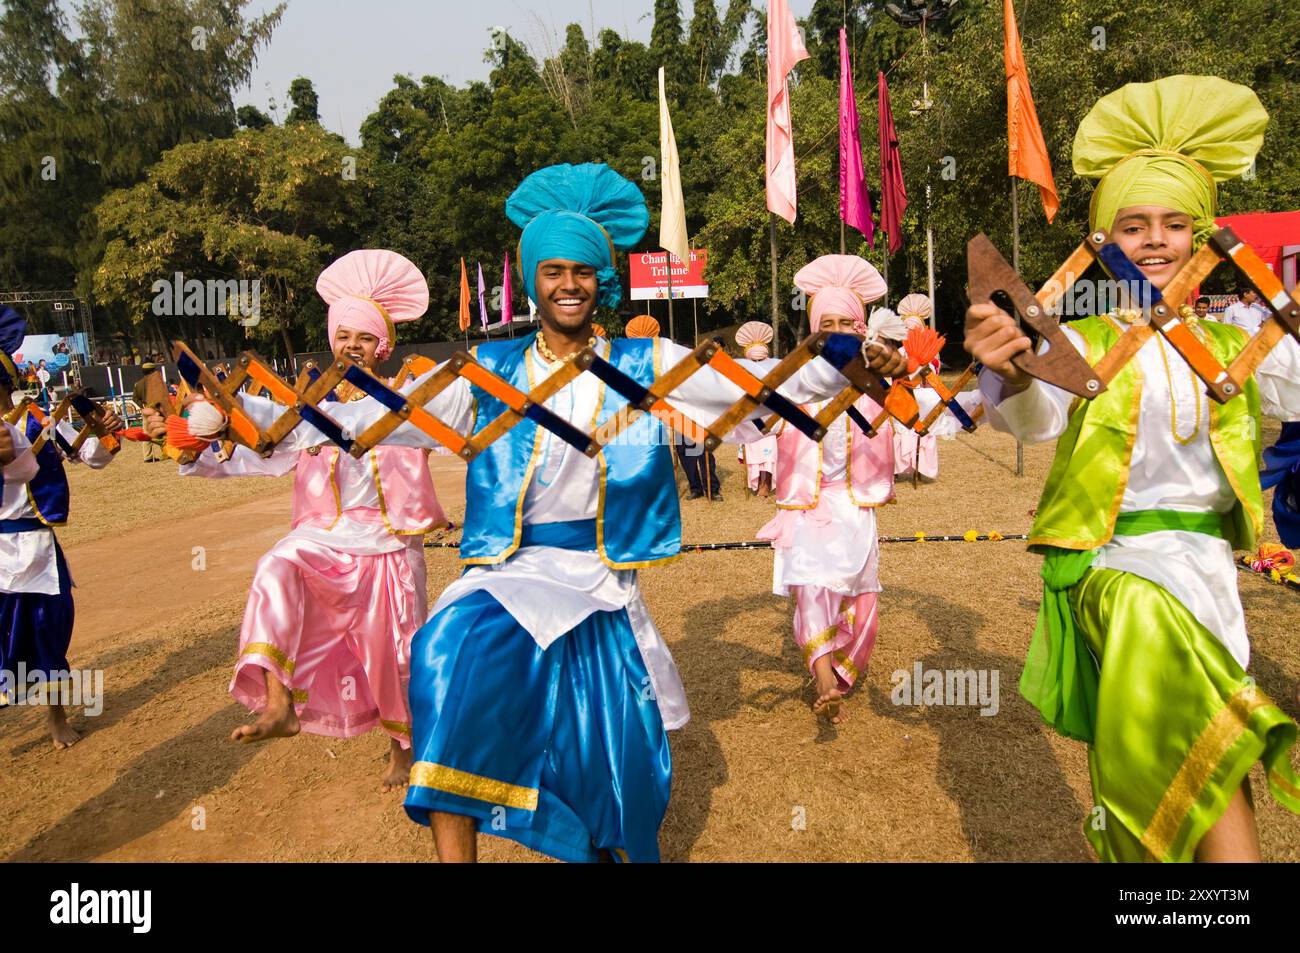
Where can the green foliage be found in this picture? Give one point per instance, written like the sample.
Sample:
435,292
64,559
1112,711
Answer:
130,107
306,104
273,204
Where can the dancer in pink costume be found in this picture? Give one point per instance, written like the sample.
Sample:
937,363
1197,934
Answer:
824,533
325,643
758,456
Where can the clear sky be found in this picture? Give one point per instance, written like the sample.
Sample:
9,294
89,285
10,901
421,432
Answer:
351,49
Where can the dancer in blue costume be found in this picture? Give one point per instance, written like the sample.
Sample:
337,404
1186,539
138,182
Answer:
36,612
541,690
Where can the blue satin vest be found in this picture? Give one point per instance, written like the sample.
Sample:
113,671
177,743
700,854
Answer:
48,490
638,521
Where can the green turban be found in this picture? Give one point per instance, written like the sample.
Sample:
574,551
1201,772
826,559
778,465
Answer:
1168,143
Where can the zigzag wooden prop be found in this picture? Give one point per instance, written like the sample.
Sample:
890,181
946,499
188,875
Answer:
989,272
842,351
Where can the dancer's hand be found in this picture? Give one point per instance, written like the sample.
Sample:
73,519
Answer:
885,360
993,338
154,423
111,422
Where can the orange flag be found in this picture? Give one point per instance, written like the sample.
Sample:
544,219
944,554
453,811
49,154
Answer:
464,297
1026,150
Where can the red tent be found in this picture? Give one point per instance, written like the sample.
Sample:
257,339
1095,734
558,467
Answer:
1275,236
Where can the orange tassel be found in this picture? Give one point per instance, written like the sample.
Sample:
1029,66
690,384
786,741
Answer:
923,346
179,436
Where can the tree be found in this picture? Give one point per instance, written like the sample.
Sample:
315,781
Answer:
666,48
273,205
250,117
305,101
706,55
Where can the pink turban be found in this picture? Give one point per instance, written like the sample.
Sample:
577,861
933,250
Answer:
370,290
840,284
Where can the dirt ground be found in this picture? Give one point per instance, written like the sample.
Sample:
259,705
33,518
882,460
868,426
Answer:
755,776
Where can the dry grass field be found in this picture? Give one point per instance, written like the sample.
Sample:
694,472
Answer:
756,777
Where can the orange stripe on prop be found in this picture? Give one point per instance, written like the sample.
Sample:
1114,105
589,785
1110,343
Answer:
278,388
476,374
244,427
724,364
1195,353
437,430
679,422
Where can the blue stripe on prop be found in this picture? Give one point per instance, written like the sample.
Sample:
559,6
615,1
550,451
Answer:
959,412
1142,292
63,444
374,388
558,426
326,426
188,369
792,413
622,384
855,415
839,349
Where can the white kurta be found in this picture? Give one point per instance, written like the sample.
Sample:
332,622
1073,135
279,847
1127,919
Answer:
353,479
1165,474
550,591
833,546
27,559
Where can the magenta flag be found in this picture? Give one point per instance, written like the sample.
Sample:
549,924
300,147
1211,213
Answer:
893,194
482,297
855,201
507,295
784,51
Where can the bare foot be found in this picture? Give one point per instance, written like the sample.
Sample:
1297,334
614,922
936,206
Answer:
398,773
60,731
271,724
829,701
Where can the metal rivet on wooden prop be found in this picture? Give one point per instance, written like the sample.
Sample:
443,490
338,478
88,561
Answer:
989,272
842,351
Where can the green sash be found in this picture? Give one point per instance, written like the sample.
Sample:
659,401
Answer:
1060,675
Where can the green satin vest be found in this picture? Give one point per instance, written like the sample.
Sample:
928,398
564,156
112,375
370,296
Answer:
1084,489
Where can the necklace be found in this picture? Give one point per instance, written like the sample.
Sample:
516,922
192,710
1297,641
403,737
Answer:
1128,317
549,357
1173,399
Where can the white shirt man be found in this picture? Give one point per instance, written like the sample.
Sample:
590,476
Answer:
1246,313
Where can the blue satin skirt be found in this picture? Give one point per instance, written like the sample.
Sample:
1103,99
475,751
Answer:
562,750
35,628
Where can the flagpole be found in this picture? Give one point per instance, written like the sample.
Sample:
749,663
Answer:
776,293
1015,265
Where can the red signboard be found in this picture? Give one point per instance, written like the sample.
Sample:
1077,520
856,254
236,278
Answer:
650,275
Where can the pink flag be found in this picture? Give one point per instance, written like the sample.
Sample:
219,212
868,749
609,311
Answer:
784,51
507,296
482,298
855,202
893,194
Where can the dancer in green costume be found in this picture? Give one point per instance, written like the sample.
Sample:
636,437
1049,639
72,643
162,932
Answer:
1141,647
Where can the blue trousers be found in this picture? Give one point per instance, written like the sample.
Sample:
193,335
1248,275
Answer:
562,750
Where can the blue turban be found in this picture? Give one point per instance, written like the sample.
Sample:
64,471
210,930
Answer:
13,327
577,213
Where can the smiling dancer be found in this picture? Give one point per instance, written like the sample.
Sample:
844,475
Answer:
540,689
1141,644
325,642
